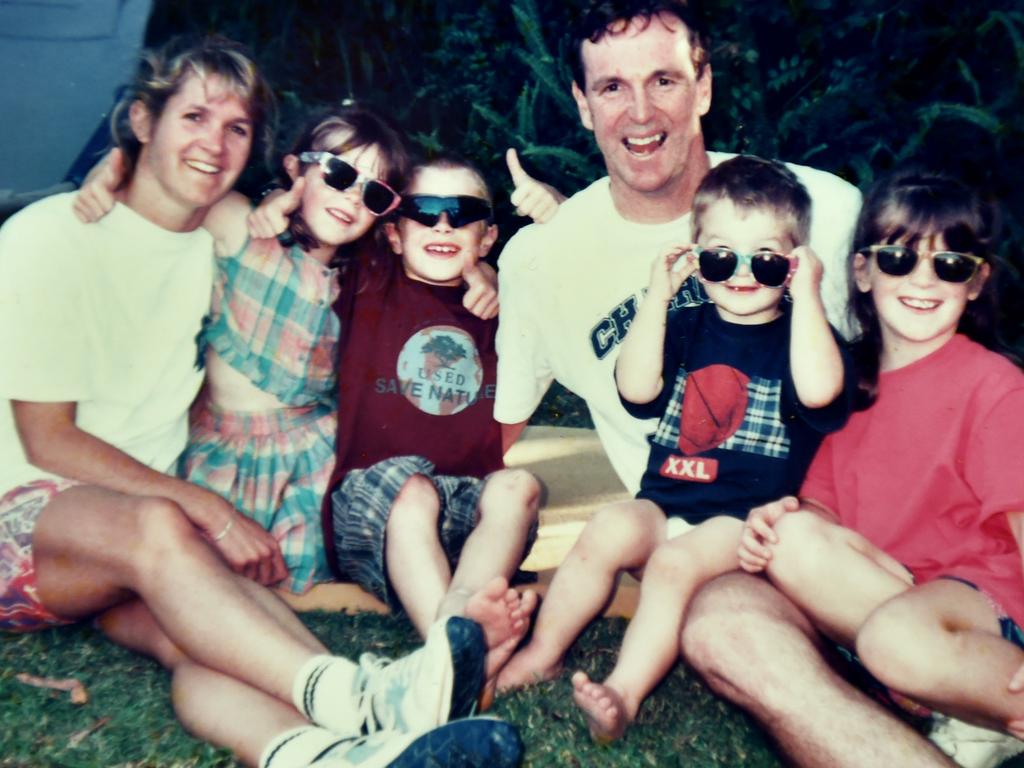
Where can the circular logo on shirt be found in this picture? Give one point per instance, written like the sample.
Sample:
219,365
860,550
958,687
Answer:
440,370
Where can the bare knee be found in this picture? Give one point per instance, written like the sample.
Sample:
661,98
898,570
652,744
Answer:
415,509
669,565
803,550
891,644
513,495
164,534
617,538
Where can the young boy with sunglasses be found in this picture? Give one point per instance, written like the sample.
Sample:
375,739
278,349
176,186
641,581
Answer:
420,510
745,389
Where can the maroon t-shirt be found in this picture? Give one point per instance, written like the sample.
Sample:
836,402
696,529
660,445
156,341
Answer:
416,377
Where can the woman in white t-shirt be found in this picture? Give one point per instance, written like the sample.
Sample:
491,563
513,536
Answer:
97,333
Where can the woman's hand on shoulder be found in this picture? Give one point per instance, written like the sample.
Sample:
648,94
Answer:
95,197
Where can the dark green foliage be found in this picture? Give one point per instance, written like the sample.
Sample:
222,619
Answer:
852,88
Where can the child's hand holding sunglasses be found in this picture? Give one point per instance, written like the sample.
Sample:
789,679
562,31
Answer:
669,271
805,274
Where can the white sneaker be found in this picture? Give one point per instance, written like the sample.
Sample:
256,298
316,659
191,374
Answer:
437,683
477,742
971,746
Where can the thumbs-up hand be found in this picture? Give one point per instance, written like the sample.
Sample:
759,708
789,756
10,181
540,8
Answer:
95,198
531,198
272,216
481,297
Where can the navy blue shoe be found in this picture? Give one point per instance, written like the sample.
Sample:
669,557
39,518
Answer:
477,742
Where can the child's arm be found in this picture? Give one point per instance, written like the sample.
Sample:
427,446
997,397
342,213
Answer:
531,198
638,371
814,358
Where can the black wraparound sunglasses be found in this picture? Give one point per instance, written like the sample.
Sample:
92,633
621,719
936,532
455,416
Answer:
460,209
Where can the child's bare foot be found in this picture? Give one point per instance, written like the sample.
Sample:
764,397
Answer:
603,707
526,669
504,616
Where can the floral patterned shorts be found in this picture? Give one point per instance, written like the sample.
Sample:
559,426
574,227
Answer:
20,608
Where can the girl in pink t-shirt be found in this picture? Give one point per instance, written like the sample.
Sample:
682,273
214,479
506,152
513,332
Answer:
906,542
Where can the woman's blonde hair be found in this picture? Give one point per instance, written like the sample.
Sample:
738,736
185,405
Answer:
162,73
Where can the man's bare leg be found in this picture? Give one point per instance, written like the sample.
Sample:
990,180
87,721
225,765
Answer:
755,648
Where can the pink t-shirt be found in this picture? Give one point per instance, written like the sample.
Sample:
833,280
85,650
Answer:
930,470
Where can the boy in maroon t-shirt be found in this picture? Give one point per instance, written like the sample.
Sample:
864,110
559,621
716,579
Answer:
420,510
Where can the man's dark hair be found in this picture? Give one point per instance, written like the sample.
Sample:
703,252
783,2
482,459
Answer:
613,16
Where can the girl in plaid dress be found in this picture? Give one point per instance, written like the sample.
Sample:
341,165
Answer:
262,434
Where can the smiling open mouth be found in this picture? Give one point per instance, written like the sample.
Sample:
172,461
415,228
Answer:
920,303
441,250
340,215
198,165
645,145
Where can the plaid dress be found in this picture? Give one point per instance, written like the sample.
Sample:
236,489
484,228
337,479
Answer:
272,320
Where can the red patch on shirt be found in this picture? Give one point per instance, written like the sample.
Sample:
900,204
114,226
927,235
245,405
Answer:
714,404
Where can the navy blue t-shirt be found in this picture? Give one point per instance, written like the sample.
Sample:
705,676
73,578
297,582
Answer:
732,433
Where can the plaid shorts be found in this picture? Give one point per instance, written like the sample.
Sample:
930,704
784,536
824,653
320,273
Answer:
273,466
360,507
20,609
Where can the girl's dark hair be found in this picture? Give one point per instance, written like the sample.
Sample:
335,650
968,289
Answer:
161,74
339,131
908,206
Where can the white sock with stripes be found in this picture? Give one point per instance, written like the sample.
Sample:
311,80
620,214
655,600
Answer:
324,692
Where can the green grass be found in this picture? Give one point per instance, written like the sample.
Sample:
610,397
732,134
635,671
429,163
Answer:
683,724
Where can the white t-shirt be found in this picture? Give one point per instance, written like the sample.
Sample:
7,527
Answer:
105,315
569,289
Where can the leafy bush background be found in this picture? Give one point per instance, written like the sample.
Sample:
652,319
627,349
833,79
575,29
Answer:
850,87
